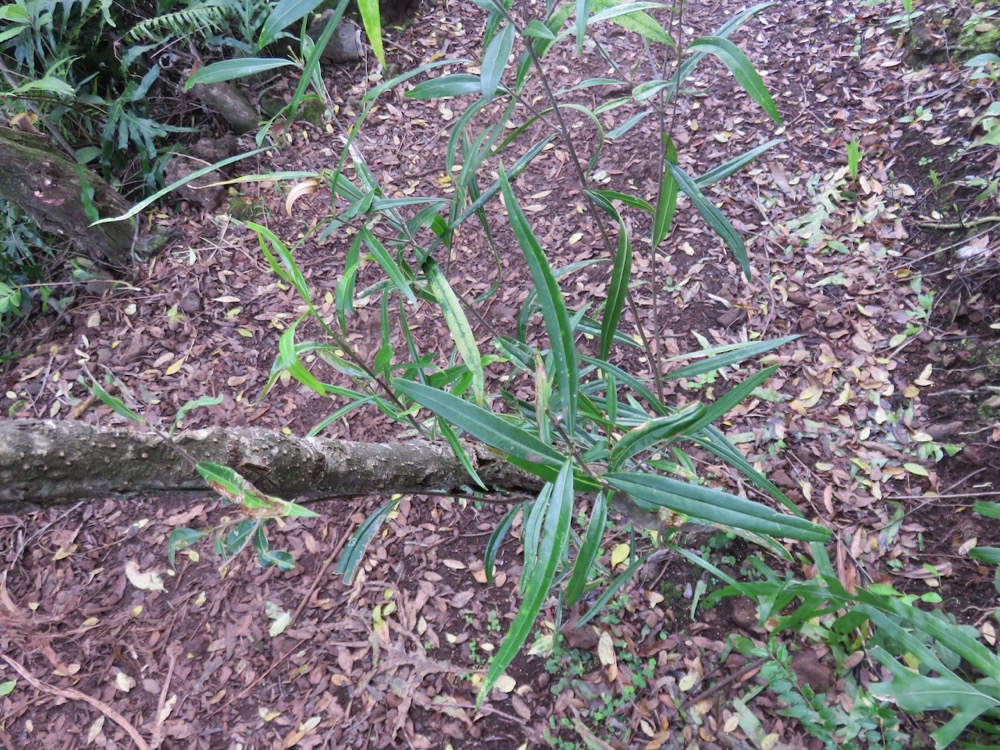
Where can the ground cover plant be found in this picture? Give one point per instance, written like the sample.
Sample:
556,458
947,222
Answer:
608,430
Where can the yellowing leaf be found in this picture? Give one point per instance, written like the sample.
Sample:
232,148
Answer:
172,370
303,188
150,581
925,376
917,469
620,554
505,684
810,396
606,649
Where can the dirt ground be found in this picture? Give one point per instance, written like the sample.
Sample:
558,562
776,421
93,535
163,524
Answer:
897,362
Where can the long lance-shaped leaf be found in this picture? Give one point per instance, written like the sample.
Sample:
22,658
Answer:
589,549
652,432
497,537
582,19
284,14
288,268
722,356
310,68
354,550
713,217
391,268
458,326
486,426
454,84
624,577
652,491
666,201
621,275
741,68
371,19
557,324
731,398
495,60
633,18
227,70
723,171
555,538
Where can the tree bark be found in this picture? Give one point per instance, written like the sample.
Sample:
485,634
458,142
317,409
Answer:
46,186
46,462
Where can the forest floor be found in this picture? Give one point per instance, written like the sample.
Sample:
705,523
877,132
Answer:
897,367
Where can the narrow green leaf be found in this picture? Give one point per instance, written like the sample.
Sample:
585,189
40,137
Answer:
388,264
652,491
610,591
733,397
723,356
116,404
640,388
589,550
555,538
613,195
734,165
196,404
652,432
557,324
983,508
495,61
283,15
713,217
458,326
227,70
371,19
310,67
621,130
621,275
497,538
989,555
632,17
454,84
459,451
741,68
289,360
289,269
538,30
354,550
482,424
344,297
666,200
144,204
582,19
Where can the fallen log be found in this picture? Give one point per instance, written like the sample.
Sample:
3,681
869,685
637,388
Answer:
47,462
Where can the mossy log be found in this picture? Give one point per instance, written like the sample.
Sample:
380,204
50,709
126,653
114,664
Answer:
48,187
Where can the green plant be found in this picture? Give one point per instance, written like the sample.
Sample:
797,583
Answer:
592,427
935,665
853,159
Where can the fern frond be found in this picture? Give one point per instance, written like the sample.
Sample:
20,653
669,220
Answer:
197,20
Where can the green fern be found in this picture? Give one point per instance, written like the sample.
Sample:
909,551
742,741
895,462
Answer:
197,20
